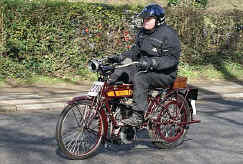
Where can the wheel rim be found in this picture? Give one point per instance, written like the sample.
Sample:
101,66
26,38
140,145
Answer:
81,130
172,119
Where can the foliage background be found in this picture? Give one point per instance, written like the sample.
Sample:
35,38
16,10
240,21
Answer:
57,38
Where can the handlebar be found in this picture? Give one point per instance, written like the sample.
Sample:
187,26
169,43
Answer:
95,65
126,65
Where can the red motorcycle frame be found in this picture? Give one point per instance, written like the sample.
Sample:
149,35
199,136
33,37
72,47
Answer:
105,106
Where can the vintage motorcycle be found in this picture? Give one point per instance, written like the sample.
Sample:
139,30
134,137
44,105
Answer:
94,119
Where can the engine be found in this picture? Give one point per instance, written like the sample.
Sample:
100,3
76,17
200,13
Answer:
127,132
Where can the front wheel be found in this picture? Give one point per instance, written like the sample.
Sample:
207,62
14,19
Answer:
170,127
79,130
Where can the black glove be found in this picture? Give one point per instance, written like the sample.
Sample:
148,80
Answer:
144,64
113,59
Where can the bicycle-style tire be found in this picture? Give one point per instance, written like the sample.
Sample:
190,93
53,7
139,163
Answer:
79,130
166,142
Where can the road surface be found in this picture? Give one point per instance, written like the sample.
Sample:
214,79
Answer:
29,137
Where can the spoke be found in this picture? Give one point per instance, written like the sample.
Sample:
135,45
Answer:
77,121
87,140
171,130
77,151
182,106
156,136
92,125
70,144
84,147
92,131
70,136
90,140
76,141
84,115
90,118
68,117
93,137
73,147
71,131
81,112
82,142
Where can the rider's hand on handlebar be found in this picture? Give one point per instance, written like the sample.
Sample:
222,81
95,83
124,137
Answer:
144,64
113,59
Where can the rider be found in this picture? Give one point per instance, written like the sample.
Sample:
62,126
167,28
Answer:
157,48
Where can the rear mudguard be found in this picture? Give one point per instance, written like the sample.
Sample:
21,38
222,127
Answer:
191,96
102,111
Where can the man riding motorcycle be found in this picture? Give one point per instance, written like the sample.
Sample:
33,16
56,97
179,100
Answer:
157,48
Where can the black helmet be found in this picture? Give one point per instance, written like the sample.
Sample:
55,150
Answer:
154,10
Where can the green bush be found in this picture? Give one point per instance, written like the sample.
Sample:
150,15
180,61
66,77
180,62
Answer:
205,35
57,38
195,3
202,2
173,2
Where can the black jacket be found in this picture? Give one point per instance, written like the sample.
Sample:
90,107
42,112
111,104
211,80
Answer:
161,47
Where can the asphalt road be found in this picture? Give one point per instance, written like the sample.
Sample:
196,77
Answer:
27,138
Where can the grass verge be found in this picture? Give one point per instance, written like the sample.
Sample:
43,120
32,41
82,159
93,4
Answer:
229,71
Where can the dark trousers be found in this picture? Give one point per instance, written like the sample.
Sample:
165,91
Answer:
143,82
125,75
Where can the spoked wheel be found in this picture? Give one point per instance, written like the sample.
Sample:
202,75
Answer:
169,129
79,130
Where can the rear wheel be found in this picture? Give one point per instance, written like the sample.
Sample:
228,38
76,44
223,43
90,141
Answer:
169,129
79,130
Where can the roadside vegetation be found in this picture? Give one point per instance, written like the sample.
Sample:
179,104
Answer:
46,41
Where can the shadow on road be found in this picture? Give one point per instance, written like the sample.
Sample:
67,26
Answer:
27,138
229,109
32,137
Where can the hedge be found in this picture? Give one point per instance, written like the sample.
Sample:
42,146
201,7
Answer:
57,38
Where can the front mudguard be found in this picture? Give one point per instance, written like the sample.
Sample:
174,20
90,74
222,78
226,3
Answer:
79,98
76,100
